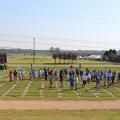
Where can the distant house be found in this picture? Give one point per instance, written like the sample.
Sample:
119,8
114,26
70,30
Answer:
80,57
3,58
95,57
91,57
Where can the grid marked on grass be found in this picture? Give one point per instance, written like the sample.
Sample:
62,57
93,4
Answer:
50,92
66,90
19,89
25,93
9,90
114,91
2,84
108,92
5,87
87,91
34,88
59,90
42,88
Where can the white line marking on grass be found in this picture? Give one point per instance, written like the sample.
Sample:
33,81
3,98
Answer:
27,88
9,90
91,91
60,94
117,88
42,88
2,84
3,76
108,92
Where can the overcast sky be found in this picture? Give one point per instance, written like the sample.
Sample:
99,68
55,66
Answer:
68,24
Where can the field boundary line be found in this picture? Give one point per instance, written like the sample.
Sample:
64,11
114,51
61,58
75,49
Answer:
108,92
27,88
42,87
117,88
9,90
59,91
2,84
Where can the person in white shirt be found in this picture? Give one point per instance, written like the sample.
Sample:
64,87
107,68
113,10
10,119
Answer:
40,74
84,79
89,77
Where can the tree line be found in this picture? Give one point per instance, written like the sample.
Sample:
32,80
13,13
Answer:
69,57
111,55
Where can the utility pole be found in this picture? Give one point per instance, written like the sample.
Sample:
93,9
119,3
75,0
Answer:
34,50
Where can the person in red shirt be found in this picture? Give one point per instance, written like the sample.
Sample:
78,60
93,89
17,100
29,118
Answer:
10,76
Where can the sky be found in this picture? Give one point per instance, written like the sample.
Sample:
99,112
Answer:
67,24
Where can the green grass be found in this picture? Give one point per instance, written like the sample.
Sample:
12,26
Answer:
52,93
59,115
19,89
5,87
48,59
34,88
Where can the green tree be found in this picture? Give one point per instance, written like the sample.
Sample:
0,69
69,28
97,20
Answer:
57,50
60,57
64,56
109,54
54,56
51,50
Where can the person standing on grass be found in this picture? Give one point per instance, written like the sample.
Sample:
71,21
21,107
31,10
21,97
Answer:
92,76
43,74
71,72
81,74
66,74
78,73
89,77
95,75
118,77
84,80
113,77
71,79
55,75
97,81
39,74
15,76
19,74
30,73
61,77
51,76
23,74
101,75
76,82
10,75
105,74
34,74
109,78
46,73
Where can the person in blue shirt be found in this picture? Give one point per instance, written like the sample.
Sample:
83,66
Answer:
71,80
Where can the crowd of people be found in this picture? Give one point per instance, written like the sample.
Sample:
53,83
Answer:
76,76
16,75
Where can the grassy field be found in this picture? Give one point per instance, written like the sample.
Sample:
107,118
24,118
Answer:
39,90
58,115
35,88
36,91
48,59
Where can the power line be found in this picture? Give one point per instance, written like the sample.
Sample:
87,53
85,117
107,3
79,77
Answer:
51,38
15,41
55,44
